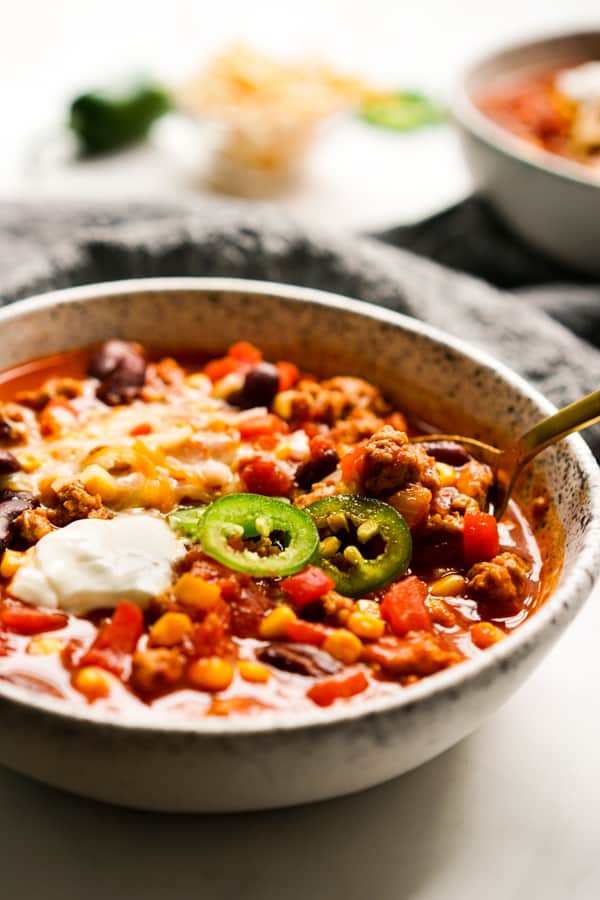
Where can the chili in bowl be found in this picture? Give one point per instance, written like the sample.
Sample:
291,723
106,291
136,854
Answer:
186,535
527,117
239,556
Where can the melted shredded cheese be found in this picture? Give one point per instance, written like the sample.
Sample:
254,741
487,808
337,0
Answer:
185,446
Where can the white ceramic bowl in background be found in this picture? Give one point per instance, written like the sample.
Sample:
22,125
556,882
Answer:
282,758
551,202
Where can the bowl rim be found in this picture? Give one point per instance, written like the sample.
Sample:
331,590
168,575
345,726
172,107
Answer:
570,595
465,112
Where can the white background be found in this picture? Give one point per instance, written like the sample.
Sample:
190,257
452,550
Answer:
356,176
512,812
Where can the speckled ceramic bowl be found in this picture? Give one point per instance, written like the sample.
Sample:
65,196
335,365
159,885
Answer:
217,764
550,201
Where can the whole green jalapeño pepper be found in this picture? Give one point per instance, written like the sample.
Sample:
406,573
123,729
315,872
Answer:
107,120
258,535
364,543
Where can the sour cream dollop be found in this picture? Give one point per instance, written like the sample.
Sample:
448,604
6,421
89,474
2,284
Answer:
582,83
94,563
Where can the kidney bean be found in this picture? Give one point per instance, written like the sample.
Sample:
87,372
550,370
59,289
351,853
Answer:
314,470
447,452
12,504
301,659
248,605
8,462
259,388
121,369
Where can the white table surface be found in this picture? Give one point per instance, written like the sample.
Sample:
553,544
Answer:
514,810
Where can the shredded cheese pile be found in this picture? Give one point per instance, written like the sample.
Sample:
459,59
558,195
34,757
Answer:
153,455
269,109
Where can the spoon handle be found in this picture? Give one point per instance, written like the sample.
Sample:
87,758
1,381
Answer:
572,418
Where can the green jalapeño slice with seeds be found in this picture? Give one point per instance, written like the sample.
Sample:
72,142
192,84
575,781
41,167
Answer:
186,520
363,543
258,535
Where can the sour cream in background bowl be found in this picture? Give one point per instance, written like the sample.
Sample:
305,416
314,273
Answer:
294,757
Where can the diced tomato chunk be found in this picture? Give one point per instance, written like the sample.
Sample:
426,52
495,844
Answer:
258,426
480,536
106,658
324,692
403,606
211,636
266,441
28,620
241,357
219,368
320,444
288,375
311,429
116,640
142,428
308,585
124,629
262,475
353,464
245,353
306,632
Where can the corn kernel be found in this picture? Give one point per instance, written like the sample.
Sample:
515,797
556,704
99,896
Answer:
274,626
92,682
365,626
199,381
282,405
191,590
484,634
156,492
353,555
448,586
343,645
227,385
11,560
45,646
447,474
170,629
329,546
29,462
337,521
367,530
253,671
211,673
371,607
98,481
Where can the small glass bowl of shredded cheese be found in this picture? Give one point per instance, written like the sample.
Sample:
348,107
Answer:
267,112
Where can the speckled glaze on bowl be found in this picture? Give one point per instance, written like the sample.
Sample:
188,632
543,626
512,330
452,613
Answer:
222,765
550,201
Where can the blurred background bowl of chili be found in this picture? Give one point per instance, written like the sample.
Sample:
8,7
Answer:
548,199
290,757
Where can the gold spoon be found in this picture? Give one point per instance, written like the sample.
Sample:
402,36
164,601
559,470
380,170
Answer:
508,464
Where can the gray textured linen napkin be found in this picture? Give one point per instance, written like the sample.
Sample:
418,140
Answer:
470,237
61,244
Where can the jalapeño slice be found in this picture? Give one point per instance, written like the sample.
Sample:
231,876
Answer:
258,535
364,543
186,520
